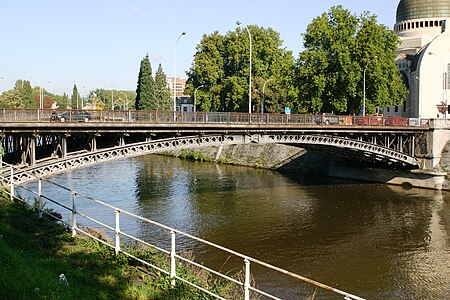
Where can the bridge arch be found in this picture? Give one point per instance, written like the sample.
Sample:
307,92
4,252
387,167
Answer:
334,144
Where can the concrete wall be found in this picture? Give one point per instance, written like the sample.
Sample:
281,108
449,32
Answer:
297,160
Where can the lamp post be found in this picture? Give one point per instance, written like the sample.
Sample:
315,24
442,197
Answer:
250,72
263,95
364,86
125,105
82,97
175,73
195,97
444,100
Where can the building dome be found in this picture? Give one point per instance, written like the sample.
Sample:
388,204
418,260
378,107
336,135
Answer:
420,9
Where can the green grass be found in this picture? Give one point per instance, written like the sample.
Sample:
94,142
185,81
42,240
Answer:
34,253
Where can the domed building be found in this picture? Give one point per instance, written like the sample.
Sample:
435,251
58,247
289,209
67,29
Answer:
423,57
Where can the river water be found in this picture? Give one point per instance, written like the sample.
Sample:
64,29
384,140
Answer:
372,240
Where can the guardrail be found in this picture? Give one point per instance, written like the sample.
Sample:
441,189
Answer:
173,249
157,117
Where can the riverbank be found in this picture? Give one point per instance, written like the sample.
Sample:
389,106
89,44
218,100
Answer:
39,259
295,160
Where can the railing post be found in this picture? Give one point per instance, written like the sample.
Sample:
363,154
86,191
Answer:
40,209
247,279
117,232
173,271
74,214
11,182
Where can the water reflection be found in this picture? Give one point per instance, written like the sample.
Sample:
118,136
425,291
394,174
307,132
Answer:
376,241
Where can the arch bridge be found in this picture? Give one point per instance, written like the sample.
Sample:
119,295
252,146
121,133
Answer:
47,148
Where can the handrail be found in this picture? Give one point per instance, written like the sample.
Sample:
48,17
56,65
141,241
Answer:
75,212
180,117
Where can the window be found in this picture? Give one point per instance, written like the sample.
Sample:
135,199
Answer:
404,106
396,108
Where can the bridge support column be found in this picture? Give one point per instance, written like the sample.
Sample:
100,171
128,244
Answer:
94,142
64,146
27,145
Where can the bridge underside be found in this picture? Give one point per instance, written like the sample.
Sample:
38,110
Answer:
68,152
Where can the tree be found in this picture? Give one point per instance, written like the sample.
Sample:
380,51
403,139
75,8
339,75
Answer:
75,99
27,94
11,99
162,91
145,91
338,47
221,65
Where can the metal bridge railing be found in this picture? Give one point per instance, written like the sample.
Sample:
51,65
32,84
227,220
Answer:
113,215
167,117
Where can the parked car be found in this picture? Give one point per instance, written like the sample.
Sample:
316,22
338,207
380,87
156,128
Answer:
328,119
369,120
71,116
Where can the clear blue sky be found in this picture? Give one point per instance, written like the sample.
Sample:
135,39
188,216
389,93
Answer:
100,43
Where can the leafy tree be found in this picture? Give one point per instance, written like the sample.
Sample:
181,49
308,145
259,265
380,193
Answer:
221,65
338,47
11,99
145,92
24,87
162,91
107,97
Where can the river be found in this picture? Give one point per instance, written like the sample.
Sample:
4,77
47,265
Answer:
372,240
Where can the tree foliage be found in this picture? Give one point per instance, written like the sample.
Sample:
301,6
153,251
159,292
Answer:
145,92
21,96
221,67
162,90
339,46
76,98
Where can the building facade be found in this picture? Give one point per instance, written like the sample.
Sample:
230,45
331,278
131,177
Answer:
423,57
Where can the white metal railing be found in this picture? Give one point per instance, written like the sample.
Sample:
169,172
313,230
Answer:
7,178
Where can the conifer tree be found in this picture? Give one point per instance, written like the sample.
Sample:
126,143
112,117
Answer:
75,97
145,91
162,91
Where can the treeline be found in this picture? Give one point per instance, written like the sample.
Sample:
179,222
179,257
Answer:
326,77
338,48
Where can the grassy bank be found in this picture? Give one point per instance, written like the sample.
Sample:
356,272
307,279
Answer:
39,259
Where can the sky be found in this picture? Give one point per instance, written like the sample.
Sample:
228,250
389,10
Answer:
100,43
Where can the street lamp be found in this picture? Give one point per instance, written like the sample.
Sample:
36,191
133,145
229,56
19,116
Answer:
126,101
444,100
263,95
250,75
364,86
175,73
195,96
82,97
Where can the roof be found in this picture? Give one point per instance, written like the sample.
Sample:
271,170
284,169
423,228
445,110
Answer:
419,9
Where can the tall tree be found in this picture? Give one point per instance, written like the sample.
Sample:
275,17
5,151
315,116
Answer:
221,66
75,99
339,46
145,91
162,90
27,94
